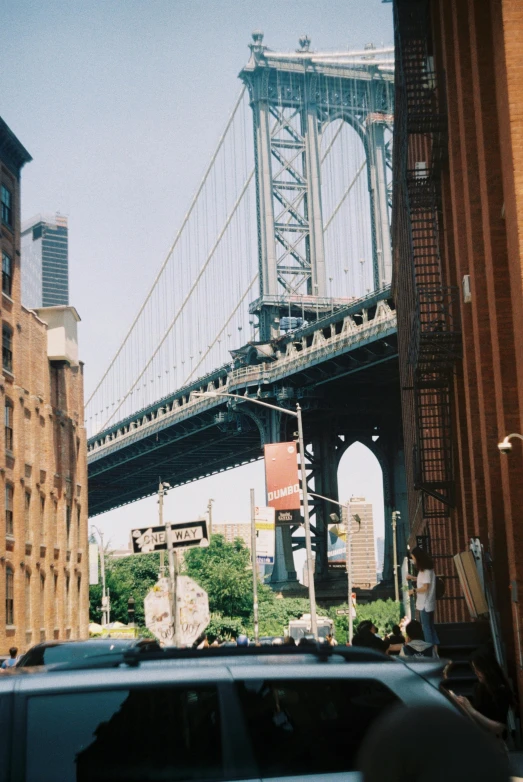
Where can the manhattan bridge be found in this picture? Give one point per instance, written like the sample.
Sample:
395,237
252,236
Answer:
276,287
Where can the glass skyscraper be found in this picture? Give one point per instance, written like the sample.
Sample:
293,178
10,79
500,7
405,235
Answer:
45,261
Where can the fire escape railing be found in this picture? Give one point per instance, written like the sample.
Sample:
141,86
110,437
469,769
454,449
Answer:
435,334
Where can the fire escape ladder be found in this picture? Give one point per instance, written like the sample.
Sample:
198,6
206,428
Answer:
435,339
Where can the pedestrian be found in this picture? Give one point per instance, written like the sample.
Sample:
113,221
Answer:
289,641
395,640
425,593
415,646
366,635
242,640
329,639
12,659
429,744
202,643
492,695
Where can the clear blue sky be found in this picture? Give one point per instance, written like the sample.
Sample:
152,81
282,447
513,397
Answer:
120,103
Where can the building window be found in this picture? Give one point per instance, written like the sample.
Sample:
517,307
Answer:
7,348
42,517
7,273
67,601
9,597
7,206
78,593
68,523
42,601
27,600
78,524
55,523
27,515
55,599
8,422
8,509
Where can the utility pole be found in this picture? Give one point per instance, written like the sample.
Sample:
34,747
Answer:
348,556
209,512
172,558
307,527
395,515
306,518
254,569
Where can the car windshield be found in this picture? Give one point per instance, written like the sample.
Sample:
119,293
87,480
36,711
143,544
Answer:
61,653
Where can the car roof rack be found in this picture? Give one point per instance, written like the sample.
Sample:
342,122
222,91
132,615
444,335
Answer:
134,657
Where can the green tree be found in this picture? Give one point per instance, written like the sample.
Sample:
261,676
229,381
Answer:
224,571
133,575
223,627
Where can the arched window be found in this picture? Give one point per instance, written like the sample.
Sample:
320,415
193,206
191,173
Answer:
9,596
27,600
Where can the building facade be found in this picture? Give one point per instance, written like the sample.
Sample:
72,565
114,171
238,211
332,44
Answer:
45,261
231,531
43,472
458,245
363,546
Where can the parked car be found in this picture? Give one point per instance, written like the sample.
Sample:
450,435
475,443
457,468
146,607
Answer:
56,652
226,713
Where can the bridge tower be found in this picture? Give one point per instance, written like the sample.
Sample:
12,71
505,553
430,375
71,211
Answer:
293,98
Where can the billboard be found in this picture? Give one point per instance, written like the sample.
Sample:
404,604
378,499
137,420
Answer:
283,486
265,533
93,563
337,546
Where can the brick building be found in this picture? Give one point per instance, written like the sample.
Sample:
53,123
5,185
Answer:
458,245
43,473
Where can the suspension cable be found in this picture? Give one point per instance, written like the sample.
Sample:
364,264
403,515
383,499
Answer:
186,299
213,343
175,242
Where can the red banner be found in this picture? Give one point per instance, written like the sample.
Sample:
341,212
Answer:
283,486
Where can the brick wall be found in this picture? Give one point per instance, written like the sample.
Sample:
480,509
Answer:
43,534
477,47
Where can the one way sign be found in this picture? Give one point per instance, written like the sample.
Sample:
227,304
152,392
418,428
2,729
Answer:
184,535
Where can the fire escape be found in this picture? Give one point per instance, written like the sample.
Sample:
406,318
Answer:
435,337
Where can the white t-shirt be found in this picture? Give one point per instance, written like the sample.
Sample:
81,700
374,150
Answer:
426,600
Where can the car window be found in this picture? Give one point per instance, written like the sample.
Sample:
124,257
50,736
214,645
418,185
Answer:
153,733
62,653
310,726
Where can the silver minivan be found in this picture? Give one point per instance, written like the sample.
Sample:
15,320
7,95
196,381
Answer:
266,713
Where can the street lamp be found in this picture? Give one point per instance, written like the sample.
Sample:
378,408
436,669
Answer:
106,605
395,516
345,506
506,445
306,519
209,513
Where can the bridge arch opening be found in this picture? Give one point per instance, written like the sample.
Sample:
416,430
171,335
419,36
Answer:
360,477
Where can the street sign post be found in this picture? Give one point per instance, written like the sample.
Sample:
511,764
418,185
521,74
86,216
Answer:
264,521
192,610
184,535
